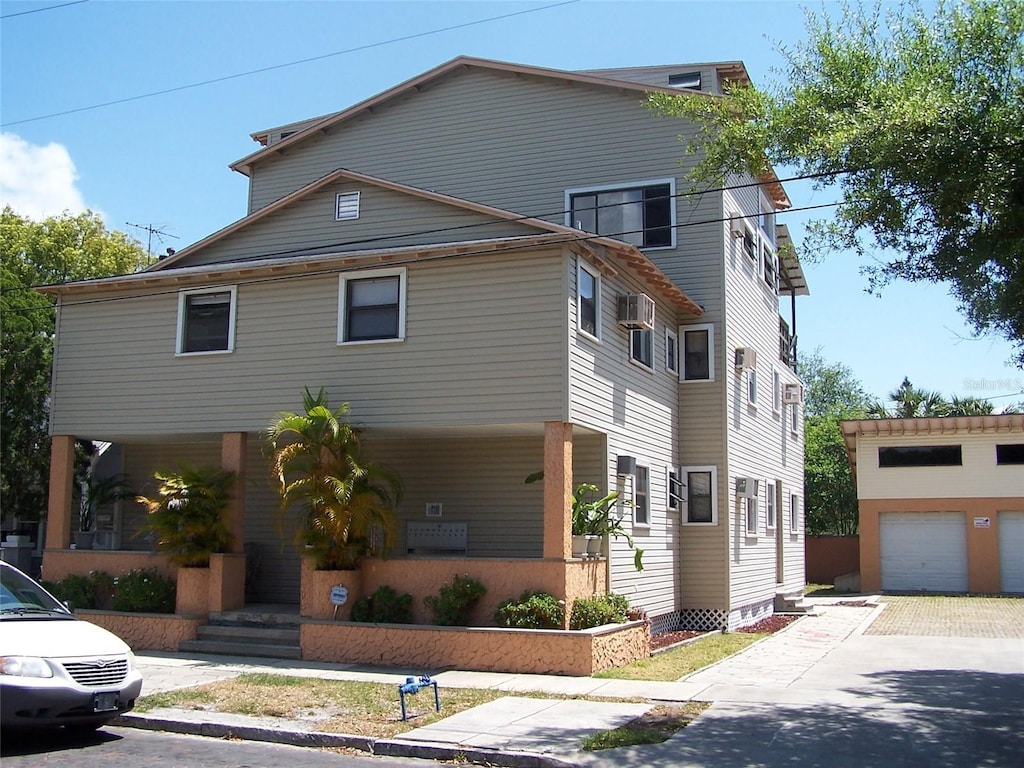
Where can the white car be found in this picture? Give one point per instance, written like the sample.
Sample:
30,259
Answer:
56,670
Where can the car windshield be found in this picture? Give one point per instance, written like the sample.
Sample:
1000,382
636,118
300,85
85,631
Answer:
20,596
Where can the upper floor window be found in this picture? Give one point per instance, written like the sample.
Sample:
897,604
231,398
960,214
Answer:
750,515
920,456
1011,453
346,206
750,245
685,80
589,300
776,391
752,386
642,214
770,505
206,321
698,346
675,489
371,306
771,267
642,496
641,347
698,491
671,352
767,221
794,513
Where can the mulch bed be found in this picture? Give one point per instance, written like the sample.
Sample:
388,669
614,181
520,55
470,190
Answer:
671,638
770,625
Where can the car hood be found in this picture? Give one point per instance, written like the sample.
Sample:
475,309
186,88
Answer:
57,638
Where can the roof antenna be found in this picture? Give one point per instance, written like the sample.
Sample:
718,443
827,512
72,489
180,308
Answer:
153,229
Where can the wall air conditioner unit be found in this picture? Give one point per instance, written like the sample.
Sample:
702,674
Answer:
746,358
736,227
746,487
792,394
636,311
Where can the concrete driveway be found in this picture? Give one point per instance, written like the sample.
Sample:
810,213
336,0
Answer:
913,692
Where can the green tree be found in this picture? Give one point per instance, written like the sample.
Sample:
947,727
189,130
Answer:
833,393
911,402
970,406
343,502
918,119
57,249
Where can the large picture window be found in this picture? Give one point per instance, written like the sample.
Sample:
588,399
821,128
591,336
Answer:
372,306
206,321
642,214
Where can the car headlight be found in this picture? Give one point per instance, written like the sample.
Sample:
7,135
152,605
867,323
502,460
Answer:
24,666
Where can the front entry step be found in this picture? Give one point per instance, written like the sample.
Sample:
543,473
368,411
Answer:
793,602
248,633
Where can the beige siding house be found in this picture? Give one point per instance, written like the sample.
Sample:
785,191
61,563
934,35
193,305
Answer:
559,301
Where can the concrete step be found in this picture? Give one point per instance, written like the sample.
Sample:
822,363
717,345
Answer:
226,648
277,635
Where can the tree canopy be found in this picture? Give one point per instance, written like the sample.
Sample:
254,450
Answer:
918,120
57,249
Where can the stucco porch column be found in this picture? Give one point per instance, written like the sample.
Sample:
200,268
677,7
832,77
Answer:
232,459
58,508
557,490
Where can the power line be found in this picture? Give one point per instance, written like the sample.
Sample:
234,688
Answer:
273,67
40,10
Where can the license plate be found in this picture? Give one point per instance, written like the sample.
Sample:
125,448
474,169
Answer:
104,702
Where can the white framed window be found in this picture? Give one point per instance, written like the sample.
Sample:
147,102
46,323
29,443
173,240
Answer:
794,418
770,267
750,244
642,213
699,494
776,391
346,206
206,321
642,496
698,359
767,220
641,347
371,306
671,352
751,386
770,501
674,489
588,300
794,513
750,515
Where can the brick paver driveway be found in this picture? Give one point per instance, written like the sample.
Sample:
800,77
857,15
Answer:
940,616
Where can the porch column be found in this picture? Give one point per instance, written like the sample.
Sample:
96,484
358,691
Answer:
232,459
62,475
557,490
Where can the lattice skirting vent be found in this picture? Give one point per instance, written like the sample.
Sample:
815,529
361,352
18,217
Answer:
750,614
703,619
667,622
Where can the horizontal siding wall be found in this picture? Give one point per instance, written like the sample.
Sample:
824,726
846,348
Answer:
760,441
978,477
485,344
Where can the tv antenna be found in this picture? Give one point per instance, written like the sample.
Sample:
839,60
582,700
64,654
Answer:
152,229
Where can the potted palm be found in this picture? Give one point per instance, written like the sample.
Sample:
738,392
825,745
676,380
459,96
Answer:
339,504
588,516
186,517
95,493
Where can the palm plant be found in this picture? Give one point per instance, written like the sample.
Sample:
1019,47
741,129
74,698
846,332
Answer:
344,503
186,516
97,493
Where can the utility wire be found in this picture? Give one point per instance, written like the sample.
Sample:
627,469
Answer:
273,67
40,10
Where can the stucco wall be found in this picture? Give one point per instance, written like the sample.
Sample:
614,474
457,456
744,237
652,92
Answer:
146,631
58,563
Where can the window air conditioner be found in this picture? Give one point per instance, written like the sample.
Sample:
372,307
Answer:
792,394
746,358
736,226
636,311
746,487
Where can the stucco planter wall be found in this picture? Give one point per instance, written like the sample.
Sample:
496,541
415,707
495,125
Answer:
193,591
58,563
146,631
315,591
418,648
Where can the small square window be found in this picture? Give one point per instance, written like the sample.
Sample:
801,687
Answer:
641,347
206,321
346,206
371,306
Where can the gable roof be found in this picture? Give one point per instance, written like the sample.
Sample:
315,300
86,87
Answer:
594,246
305,129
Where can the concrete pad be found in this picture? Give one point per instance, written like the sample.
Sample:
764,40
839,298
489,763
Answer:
654,690
566,686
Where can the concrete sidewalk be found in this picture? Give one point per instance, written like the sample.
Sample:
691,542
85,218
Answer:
511,731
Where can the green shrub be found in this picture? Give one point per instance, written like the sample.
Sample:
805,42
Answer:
452,608
533,610
595,611
74,589
385,606
143,591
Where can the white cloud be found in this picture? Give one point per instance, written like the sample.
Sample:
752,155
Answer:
37,181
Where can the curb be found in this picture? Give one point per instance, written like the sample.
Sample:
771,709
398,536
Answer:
298,737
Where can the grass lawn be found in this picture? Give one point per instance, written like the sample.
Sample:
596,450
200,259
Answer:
686,659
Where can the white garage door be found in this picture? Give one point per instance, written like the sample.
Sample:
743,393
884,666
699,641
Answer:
923,551
1011,551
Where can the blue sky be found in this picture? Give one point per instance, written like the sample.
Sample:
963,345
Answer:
162,161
